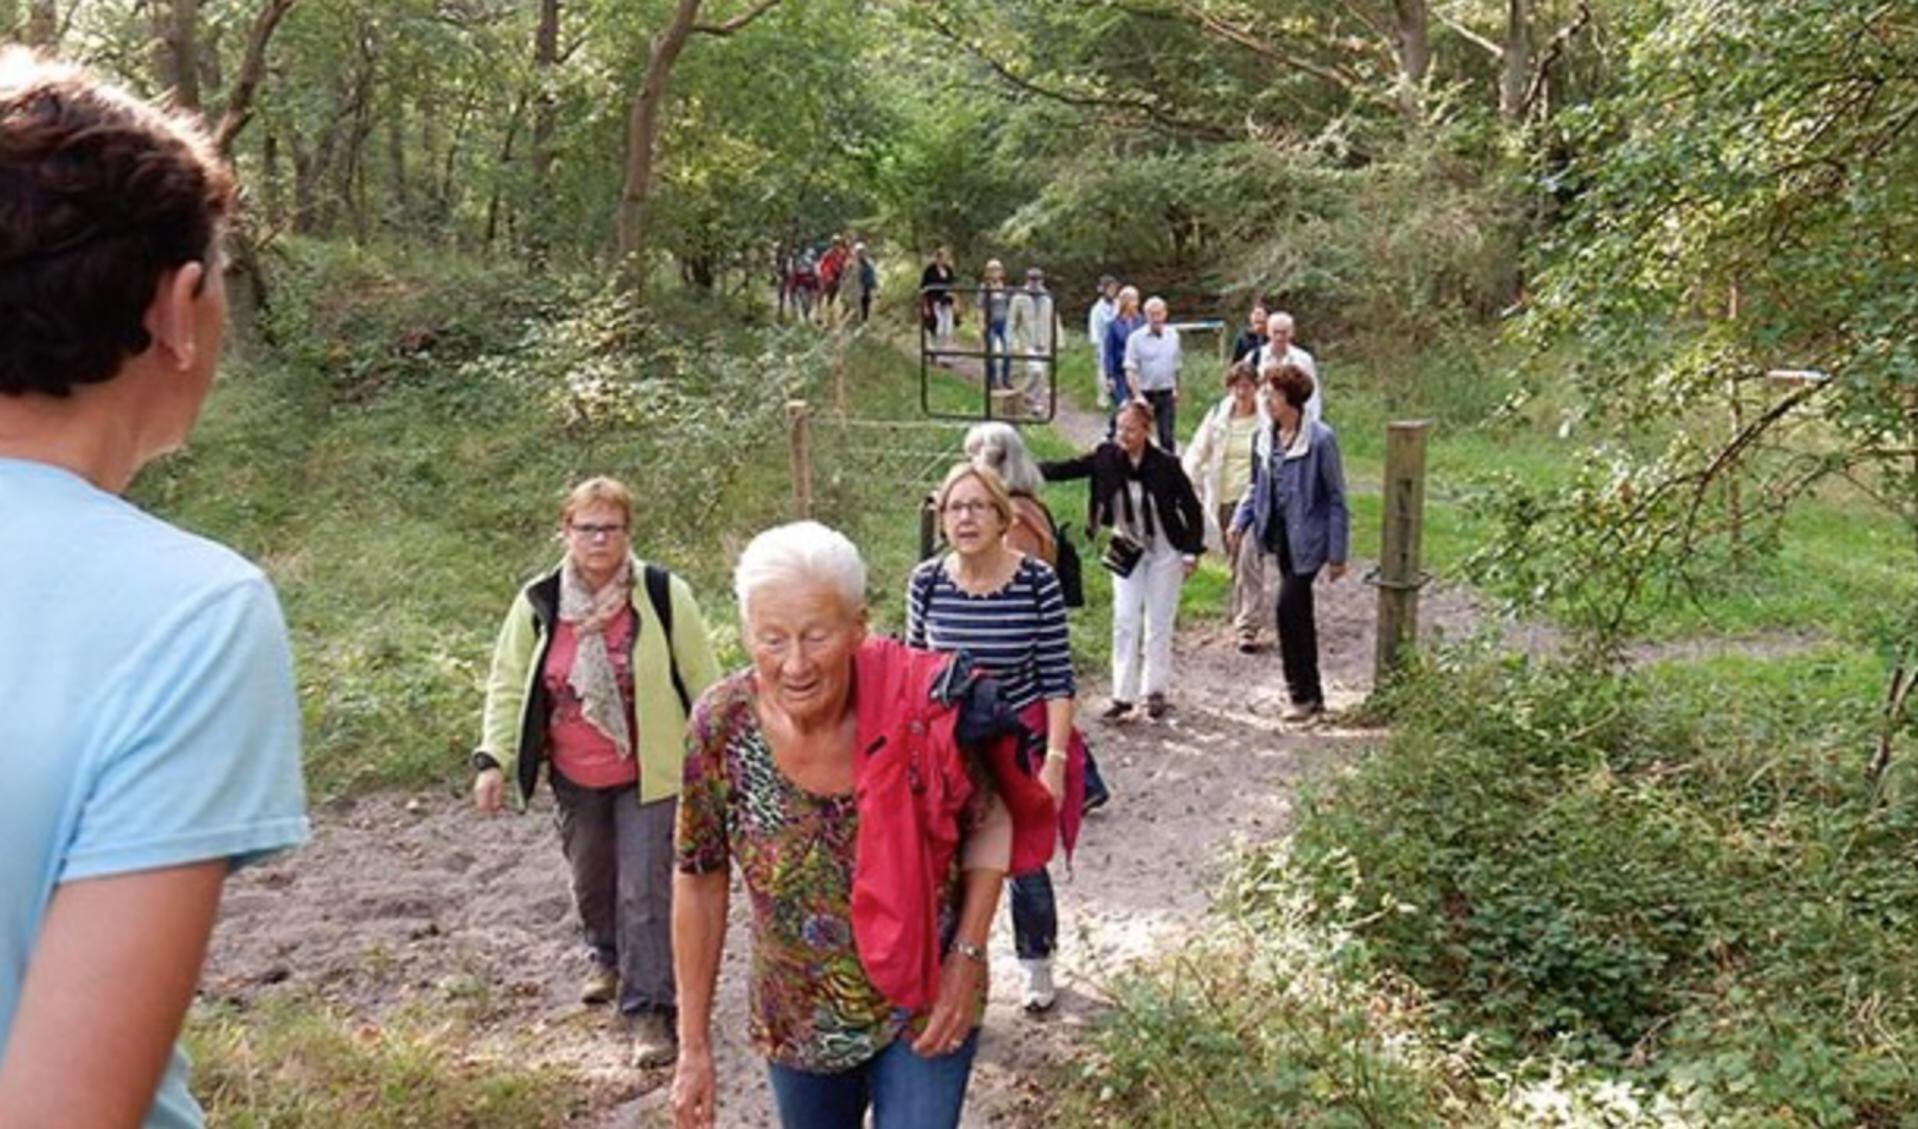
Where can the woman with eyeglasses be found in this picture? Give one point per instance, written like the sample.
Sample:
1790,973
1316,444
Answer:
1003,607
593,675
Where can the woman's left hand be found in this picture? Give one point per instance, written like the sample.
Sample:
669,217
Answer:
952,1013
1335,572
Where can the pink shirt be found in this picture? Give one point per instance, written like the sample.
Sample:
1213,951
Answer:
580,752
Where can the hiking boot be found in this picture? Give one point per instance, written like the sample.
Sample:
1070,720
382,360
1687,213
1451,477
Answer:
654,1041
1116,711
599,986
1156,706
1249,646
1302,711
1035,989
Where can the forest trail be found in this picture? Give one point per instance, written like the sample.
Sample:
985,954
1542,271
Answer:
415,905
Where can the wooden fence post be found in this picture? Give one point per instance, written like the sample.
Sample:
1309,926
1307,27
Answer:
799,433
839,378
1399,578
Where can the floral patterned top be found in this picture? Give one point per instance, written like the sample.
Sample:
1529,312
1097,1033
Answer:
811,1003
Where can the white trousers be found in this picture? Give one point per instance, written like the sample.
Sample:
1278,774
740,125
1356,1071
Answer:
1148,600
942,324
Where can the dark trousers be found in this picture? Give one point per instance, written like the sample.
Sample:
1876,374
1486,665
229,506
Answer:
621,853
1164,409
1035,916
1298,626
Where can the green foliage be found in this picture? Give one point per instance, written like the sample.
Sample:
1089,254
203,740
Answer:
293,1063
1774,232
397,462
1262,1024
1676,878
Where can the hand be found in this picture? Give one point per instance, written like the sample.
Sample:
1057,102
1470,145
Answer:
1334,572
951,1019
1052,775
1232,539
1191,565
693,1104
489,791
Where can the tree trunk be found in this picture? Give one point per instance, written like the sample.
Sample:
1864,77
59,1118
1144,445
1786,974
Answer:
1412,45
305,207
239,100
501,172
1516,74
545,111
176,58
271,198
447,204
642,136
396,162
43,24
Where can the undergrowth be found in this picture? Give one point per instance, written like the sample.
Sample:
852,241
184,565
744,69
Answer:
292,1064
1562,897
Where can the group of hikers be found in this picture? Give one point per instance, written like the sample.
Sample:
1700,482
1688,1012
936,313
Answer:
1014,322
825,284
873,795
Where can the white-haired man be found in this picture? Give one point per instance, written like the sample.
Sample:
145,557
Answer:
1280,349
1152,358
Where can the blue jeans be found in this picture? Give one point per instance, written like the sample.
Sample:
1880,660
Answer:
999,366
1035,916
1096,791
904,1090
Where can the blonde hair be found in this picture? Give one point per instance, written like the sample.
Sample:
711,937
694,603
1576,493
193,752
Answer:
995,488
598,491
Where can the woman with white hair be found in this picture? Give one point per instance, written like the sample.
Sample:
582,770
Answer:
871,846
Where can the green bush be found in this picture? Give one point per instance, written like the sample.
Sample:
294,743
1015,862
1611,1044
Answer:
1679,875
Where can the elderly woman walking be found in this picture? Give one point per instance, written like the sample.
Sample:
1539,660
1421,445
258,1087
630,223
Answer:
1142,494
1295,509
592,675
1003,607
1219,462
870,847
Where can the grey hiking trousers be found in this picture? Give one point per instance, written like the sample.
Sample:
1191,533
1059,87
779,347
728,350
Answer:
621,853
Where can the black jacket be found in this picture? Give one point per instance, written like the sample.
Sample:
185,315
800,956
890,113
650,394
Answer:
1170,499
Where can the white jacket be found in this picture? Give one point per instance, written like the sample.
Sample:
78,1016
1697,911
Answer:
1204,462
1032,323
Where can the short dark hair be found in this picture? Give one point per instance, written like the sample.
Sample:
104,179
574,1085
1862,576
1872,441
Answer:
1289,381
100,194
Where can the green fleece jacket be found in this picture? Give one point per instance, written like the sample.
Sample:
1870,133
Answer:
513,725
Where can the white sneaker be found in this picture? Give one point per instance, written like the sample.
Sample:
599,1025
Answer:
1037,993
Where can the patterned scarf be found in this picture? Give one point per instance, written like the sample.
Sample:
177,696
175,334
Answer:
592,676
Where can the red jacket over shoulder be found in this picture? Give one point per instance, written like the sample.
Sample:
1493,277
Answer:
912,792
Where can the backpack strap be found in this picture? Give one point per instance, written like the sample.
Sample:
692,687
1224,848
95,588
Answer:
659,593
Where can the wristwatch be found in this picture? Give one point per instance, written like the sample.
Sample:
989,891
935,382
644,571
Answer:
483,760
969,950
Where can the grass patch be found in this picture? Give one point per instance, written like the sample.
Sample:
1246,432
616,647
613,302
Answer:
292,1063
